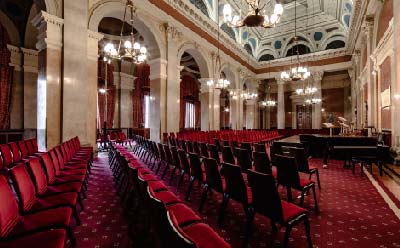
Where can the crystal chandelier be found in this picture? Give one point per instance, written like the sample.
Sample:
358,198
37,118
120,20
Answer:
220,84
247,95
269,102
254,17
306,91
313,100
297,72
127,49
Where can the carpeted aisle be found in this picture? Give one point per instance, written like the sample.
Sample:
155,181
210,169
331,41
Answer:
352,214
102,221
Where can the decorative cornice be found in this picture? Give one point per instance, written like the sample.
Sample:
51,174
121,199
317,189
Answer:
385,46
359,8
50,31
29,52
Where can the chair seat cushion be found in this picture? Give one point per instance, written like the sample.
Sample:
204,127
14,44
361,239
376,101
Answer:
291,211
157,185
69,178
62,188
47,239
65,199
305,183
167,197
204,236
183,214
148,177
56,218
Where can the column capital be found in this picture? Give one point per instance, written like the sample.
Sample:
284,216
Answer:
279,80
318,75
16,57
250,102
30,60
92,44
158,69
204,88
50,31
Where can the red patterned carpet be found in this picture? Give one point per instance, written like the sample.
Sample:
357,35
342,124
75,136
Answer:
102,221
352,214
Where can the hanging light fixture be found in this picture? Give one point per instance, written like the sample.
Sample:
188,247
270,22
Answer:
247,95
269,102
220,84
297,72
254,17
129,49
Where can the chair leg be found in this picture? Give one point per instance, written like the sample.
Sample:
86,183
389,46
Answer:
71,236
318,181
302,197
158,167
180,179
289,193
76,216
203,197
287,235
315,198
249,222
221,213
165,171
187,198
171,178
307,227
274,228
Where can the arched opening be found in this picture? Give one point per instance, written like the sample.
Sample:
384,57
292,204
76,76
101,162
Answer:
201,6
229,31
336,44
266,57
300,49
248,49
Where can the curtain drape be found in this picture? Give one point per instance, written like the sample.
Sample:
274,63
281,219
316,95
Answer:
142,88
189,89
111,93
5,79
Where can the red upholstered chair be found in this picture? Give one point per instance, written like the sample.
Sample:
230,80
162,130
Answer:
168,159
176,163
302,163
213,180
27,194
266,201
214,153
235,188
13,226
23,149
31,149
288,176
57,186
60,160
16,152
227,155
196,173
7,155
262,163
185,166
198,235
244,160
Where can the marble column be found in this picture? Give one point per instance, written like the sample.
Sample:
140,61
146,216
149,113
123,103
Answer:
234,109
216,108
30,89
251,114
158,110
17,89
396,83
117,99
267,117
316,118
281,103
126,107
78,94
206,105
49,79
371,84
91,81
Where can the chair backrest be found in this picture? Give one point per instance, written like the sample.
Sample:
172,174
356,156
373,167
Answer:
35,145
29,145
259,147
38,176
189,146
213,177
22,147
265,196
23,186
203,149
196,148
7,155
161,151
227,155
288,174
175,156
225,143
184,161
49,165
217,144
301,160
58,160
214,152
183,145
286,150
168,154
234,143
235,185
247,146
9,215
195,166
16,152
262,163
244,160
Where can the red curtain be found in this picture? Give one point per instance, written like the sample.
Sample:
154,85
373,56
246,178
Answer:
189,90
111,92
5,79
142,87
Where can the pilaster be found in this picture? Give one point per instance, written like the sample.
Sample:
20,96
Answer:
281,103
316,117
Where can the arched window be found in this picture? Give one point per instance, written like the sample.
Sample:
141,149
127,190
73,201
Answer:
201,6
248,49
303,49
229,31
266,57
336,44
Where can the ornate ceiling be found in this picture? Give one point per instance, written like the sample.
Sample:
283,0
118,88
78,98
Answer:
321,25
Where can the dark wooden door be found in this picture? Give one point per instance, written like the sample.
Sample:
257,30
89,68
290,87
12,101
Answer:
304,116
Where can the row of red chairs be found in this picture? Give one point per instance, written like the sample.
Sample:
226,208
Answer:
48,187
176,224
252,136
